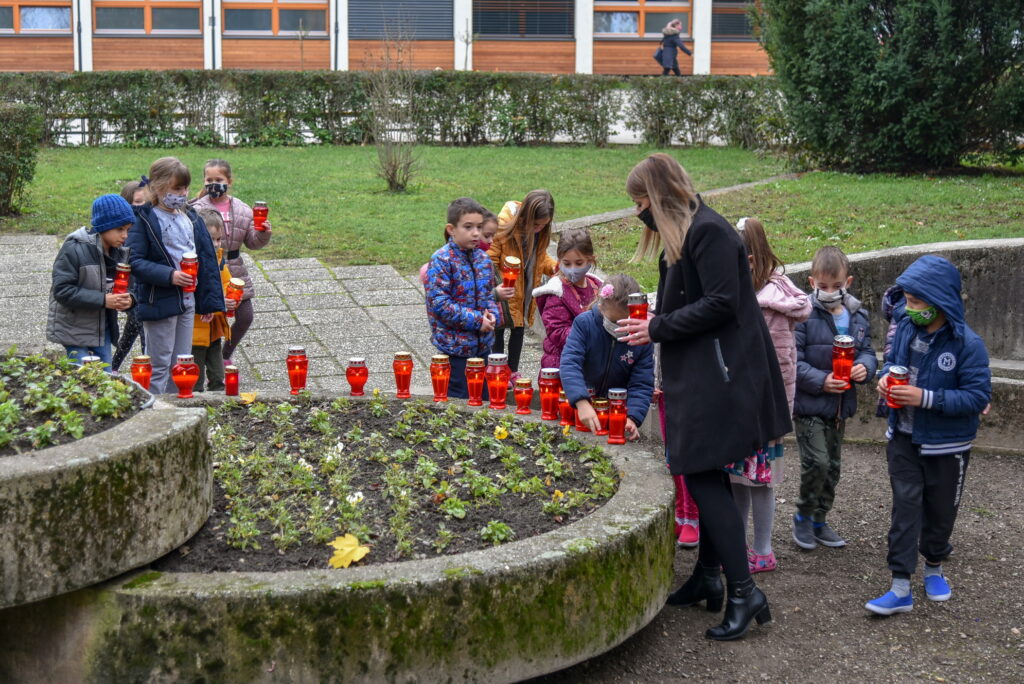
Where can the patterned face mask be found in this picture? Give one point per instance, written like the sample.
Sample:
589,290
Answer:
922,317
172,201
216,190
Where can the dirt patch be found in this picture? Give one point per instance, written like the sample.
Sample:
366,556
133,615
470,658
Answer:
821,631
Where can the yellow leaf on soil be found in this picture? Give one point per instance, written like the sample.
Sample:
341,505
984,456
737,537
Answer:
347,551
247,397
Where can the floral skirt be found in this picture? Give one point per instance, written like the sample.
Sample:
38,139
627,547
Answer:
758,466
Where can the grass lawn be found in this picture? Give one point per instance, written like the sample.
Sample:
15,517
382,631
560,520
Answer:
857,213
327,201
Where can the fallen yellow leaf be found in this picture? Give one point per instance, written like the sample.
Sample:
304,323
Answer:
347,551
247,397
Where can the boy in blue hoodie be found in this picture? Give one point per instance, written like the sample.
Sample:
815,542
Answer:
930,435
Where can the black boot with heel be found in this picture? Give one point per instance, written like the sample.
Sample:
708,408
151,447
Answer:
705,584
746,604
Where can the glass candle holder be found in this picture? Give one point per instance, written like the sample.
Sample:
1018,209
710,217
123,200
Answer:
523,392
440,376
510,271
234,291
185,374
602,409
402,366
231,381
617,416
259,215
566,412
842,358
475,381
121,275
190,266
549,386
898,375
637,303
497,375
357,374
142,370
298,368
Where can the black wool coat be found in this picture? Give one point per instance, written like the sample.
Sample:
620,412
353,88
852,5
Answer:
724,393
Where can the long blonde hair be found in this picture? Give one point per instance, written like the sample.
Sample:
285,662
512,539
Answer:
538,204
665,182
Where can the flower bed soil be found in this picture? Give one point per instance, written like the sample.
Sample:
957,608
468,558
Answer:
46,402
410,479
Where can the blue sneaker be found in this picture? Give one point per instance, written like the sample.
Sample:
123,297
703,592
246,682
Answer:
890,604
937,588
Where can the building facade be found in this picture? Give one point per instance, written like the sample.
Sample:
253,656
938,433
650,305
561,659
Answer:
550,36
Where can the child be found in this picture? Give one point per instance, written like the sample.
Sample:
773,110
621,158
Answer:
460,303
596,359
930,436
83,313
823,403
783,306
209,329
239,229
566,296
165,230
134,192
487,230
524,231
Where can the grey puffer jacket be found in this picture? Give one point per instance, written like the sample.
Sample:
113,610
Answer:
78,316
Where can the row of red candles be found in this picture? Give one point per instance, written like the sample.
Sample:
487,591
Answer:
611,412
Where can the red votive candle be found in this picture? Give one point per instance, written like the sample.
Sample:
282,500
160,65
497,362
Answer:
549,385
259,215
566,411
298,368
497,374
121,275
475,381
234,292
842,358
523,392
231,381
357,374
637,303
190,267
402,366
185,374
440,376
617,416
601,407
510,271
898,375
142,370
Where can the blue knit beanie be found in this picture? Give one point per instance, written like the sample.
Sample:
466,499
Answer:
111,211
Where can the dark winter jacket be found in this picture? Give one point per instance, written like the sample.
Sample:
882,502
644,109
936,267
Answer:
724,393
152,268
669,42
593,359
78,316
954,373
459,292
814,339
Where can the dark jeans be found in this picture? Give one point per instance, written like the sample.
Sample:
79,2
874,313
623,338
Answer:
926,493
675,70
132,329
515,346
722,540
243,319
457,387
211,365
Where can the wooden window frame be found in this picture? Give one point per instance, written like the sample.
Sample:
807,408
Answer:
16,18
642,8
275,7
147,17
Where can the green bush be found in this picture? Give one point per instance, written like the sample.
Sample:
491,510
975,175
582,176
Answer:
20,131
900,85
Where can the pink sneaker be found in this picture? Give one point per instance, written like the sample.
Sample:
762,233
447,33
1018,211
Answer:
689,536
758,563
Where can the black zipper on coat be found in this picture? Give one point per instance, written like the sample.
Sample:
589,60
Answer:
607,367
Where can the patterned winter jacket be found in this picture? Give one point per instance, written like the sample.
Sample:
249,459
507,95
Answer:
458,293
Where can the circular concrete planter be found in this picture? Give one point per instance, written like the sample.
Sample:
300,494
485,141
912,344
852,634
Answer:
497,615
84,512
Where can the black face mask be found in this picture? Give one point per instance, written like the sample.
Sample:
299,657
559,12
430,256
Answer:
648,219
215,190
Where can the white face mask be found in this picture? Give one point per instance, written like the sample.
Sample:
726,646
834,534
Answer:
610,326
830,299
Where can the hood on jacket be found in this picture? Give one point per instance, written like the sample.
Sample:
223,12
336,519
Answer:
507,215
670,31
552,287
780,294
84,234
936,281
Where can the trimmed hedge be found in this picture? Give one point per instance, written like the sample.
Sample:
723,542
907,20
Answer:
168,108
20,131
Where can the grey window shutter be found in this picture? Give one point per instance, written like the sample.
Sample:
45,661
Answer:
406,19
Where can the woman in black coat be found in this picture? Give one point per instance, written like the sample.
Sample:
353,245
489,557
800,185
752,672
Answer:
724,393
670,41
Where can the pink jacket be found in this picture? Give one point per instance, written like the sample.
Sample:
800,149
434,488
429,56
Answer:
784,305
238,231
560,303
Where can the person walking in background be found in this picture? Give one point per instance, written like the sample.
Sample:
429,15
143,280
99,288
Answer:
670,42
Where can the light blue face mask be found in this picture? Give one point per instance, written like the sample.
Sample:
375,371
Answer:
175,201
575,274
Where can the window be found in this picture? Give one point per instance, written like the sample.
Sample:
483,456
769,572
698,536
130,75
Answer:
45,18
275,17
638,18
401,19
146,16
6,18
533,18
731,21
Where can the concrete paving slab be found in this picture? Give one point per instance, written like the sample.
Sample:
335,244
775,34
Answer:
274,319
314,273
352,272
315,317
296,287
309,302
399,312
374,284
342,330
15,288
274,352
289,264
387,297
267,303
282,337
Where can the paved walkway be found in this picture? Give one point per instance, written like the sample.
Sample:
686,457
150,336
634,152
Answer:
338,312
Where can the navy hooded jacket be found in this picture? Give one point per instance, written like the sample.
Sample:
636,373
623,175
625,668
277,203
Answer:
954,373
152,269
593,359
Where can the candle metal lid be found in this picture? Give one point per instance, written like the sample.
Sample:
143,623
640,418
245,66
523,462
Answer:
186,358
124,268
237,282
600,403
523,383
497,359
899,372
142,358
189,255
475,362
230,369
617,394
403,356
636,298
296,350
91,359
842,341
549,374
260,203
357,362
439,358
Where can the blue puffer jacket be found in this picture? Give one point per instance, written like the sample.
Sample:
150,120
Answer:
459,283
814,360
954,373
152,269
592,359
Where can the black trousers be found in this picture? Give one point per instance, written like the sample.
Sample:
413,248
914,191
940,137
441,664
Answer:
132,329
515,346
722,539
211,366
457,387
926,493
